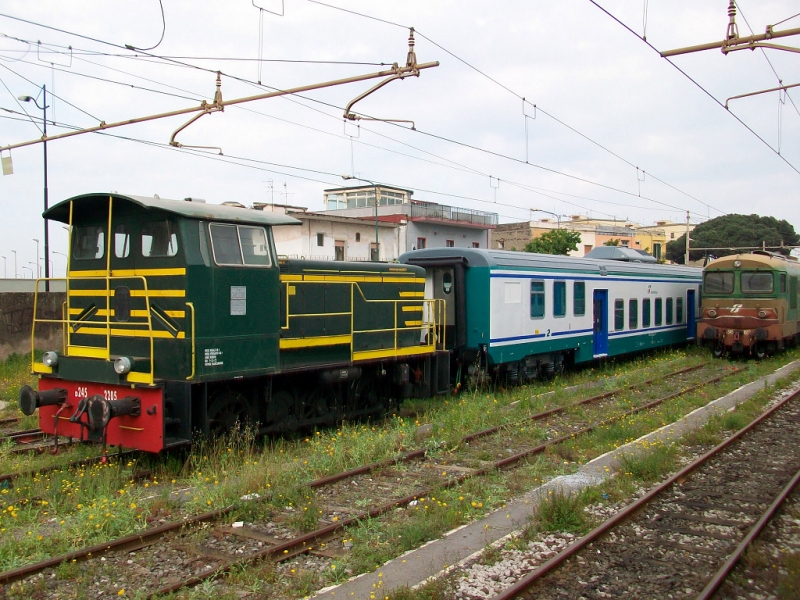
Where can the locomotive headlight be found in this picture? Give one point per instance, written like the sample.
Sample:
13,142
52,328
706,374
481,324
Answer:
712,313
123,365
762,314
50,359
737,263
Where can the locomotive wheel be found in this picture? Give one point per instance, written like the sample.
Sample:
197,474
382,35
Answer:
318,404
227,409
281,412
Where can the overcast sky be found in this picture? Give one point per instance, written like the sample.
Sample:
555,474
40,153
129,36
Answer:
606,103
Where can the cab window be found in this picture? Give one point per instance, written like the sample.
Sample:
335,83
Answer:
89,242
159,238
240,245
720,282
757,282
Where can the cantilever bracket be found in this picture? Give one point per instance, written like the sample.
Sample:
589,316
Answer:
411,70
216,106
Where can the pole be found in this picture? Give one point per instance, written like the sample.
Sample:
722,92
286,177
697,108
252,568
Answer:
46,234
15,263
377,246
686,260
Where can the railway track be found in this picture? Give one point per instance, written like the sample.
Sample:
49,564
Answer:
684,537
405,479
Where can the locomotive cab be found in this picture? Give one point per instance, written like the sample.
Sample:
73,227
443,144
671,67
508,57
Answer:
149,280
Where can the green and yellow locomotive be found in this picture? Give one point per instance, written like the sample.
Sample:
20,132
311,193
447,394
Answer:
180,316
749,304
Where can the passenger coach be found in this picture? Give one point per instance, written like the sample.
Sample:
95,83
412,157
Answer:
519,315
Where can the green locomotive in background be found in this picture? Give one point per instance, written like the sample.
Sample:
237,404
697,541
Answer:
750,304
180,316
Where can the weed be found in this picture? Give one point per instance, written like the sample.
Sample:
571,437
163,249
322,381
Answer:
789,583
652,465
561,512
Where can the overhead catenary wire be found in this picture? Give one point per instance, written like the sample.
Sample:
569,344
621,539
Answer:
514,93
554,171
704,90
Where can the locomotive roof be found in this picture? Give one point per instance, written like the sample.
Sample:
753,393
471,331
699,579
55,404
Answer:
764,260
193,210
476,257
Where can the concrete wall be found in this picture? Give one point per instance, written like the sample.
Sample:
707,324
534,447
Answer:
16,320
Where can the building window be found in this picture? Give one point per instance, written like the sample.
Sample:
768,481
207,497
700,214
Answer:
537,299
358,236
420,243
320,239
559,298
449,243
619,314
374,252
476,244
501,244
659,311
646,312
338,250
672,235
587,248
624,243
633,313
579,298
657,251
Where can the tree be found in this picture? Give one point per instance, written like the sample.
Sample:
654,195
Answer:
611,242
555,241
733,233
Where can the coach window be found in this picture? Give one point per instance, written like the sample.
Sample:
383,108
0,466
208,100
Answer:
579,298
159,239
559,298
619,315
537,299
633,313
679,310
646,312
669,311
89,242
659,311
755,282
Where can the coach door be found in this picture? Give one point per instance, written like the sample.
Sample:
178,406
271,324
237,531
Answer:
444,289
691,325
600,319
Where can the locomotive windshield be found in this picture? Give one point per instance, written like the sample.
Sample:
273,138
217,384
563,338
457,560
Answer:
757,282
159,238
718,282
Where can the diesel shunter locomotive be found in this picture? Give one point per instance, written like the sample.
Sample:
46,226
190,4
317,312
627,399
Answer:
750,304
179,316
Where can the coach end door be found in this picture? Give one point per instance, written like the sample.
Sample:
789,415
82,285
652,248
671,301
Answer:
600,319
691,318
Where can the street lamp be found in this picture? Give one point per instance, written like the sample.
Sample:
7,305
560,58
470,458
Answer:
15,263
38,270
377,199
67,261
29,269
549,213
43,108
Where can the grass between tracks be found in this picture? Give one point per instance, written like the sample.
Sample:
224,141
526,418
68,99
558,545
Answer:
651,463
49,514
